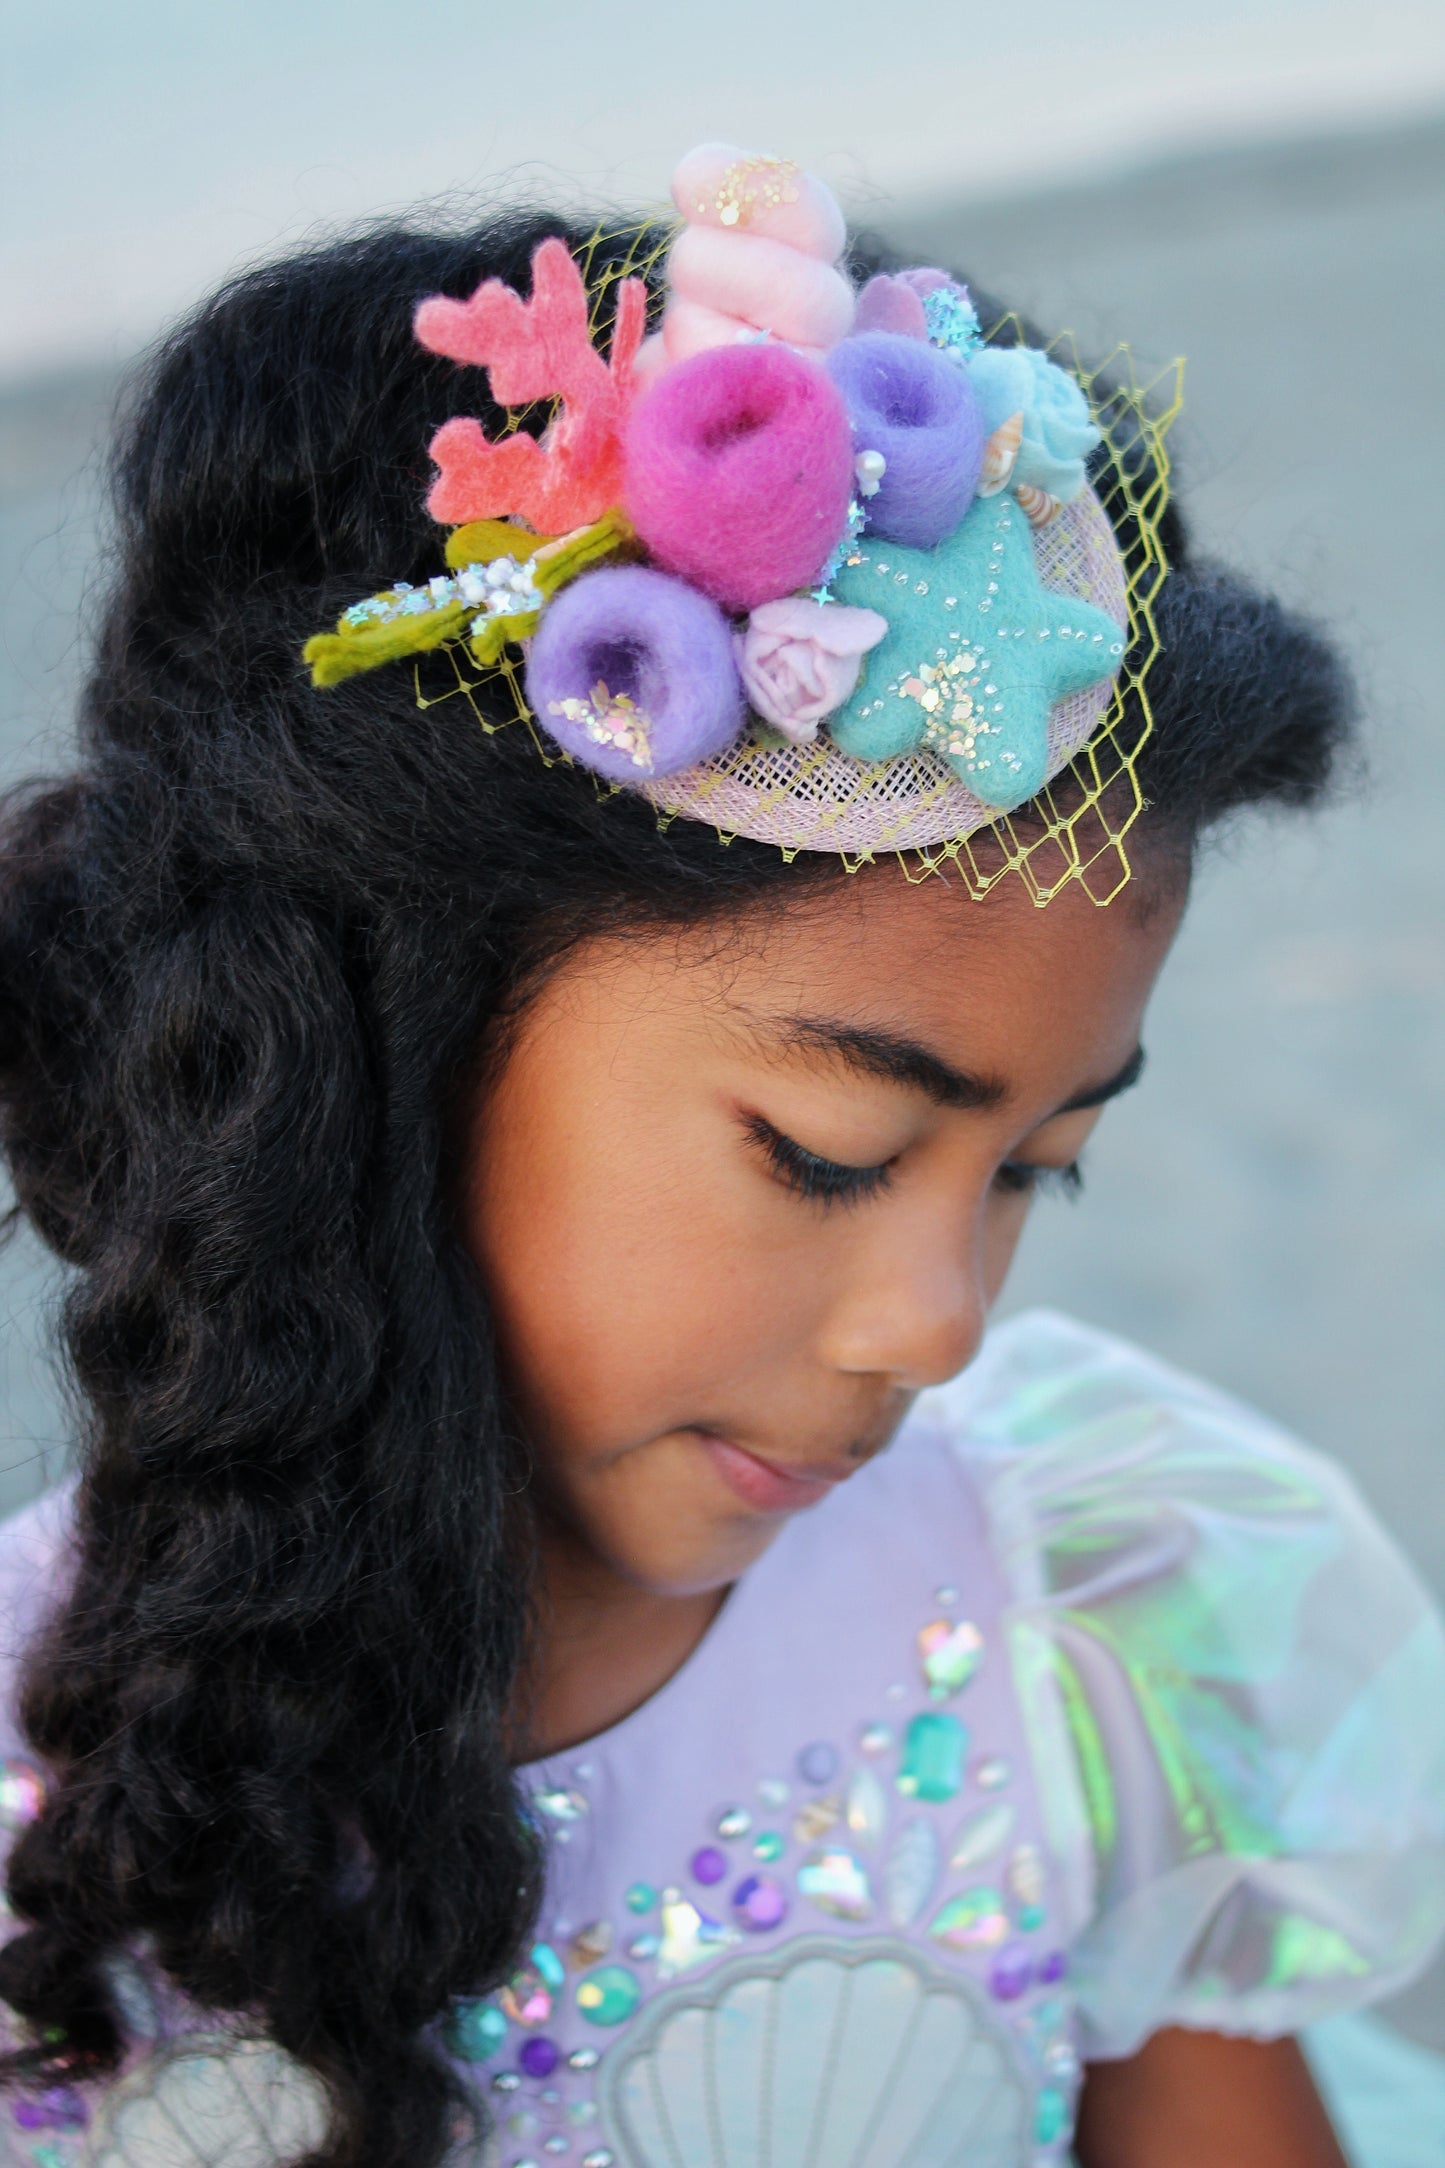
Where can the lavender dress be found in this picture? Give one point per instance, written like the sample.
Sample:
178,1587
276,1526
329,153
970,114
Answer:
1094,1705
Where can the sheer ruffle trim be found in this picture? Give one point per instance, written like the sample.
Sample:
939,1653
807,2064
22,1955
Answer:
1234,1685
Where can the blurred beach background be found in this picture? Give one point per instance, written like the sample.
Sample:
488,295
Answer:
1260,187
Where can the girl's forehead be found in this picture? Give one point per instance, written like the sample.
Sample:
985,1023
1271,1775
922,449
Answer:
996,992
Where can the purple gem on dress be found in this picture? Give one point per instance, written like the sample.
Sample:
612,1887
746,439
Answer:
1052,1968
1011,1971
760,1903
59,2107
709,1865
818,1764
539,2057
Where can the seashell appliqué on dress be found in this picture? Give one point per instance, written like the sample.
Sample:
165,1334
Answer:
860,2052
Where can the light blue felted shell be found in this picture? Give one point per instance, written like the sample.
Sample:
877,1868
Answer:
977,653
824,2052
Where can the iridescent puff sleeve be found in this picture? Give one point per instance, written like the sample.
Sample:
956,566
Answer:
1235,1689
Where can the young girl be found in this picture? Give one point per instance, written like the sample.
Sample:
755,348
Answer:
540,1661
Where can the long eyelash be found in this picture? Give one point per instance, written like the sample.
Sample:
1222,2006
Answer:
826,1181
1020,1177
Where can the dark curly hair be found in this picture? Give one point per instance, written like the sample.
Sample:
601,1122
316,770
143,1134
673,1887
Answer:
249,953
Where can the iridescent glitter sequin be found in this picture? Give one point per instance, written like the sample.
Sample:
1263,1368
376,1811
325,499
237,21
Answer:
641,1897
992,1773
506,587
611,719
689,1936
561,1807
769,1844
760,183
974,1921
950,1655
875,1740
836,1881
22,1794
735,1822
527,1997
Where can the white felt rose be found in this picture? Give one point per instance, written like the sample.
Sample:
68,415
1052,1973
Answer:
799,660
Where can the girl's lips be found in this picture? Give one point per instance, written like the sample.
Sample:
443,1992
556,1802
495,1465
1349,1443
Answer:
761,1484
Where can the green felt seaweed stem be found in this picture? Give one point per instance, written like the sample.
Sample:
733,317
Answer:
334,656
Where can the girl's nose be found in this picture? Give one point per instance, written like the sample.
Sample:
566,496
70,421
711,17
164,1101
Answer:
914,1314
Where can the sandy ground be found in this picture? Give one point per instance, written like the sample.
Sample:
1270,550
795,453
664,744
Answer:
1269,1208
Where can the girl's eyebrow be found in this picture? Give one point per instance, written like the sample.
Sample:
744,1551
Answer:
1095,1095
878,1053
898,1060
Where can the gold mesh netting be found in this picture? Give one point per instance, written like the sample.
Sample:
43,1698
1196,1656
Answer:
1103,548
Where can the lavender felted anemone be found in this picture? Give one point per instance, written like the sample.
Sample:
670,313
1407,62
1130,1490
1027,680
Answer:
738,471
913,404
632,672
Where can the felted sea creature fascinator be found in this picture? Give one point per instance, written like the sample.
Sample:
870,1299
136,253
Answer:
827,568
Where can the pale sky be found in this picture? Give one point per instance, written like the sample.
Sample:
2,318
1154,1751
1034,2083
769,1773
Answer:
148,146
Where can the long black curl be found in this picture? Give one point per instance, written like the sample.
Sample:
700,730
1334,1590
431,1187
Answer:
249,953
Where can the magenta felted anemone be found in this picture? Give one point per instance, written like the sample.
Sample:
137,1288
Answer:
738,472
632,672
915,405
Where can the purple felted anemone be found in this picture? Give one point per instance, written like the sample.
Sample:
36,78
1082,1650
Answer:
913,404
632,672
739,469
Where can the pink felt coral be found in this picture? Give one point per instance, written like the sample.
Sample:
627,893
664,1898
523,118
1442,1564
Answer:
739,471
536,349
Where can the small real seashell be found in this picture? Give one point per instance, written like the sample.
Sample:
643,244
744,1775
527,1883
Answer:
815,1818
590,1945
999,456
1037,506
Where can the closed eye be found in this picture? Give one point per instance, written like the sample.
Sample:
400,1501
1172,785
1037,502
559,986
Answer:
1022,1177
807,1174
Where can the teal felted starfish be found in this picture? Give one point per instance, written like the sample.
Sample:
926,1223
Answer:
976,654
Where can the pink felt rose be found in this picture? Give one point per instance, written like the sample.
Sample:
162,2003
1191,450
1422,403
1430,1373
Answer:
800,660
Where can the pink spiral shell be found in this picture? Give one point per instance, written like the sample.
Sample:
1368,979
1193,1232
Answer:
757,257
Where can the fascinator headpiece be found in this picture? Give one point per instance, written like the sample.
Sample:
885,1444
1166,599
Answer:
835,569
